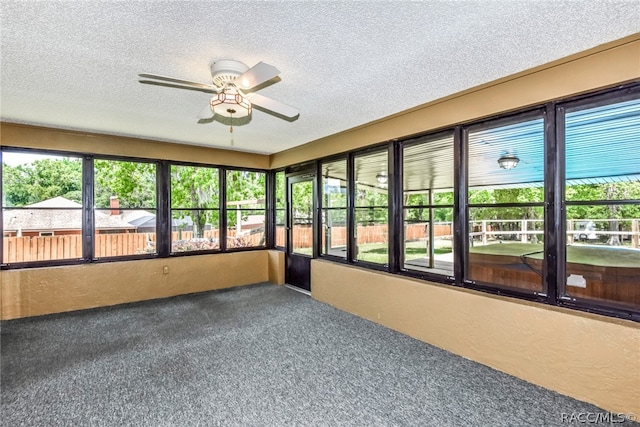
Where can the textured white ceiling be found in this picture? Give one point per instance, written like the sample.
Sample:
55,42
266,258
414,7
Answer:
75,64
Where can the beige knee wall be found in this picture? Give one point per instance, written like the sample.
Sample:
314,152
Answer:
591,358
39,291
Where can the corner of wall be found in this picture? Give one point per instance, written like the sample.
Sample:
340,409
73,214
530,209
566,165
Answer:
276,267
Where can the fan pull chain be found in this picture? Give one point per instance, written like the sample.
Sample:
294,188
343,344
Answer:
231,111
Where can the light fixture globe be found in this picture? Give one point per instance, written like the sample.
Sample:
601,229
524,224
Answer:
508,162
382,178
230,103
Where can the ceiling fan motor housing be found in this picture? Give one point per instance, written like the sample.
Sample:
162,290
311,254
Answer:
225,71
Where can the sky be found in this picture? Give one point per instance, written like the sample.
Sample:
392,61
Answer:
15,159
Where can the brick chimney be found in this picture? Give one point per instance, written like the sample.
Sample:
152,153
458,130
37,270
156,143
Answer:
115,205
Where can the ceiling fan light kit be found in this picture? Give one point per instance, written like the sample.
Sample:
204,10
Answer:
229,104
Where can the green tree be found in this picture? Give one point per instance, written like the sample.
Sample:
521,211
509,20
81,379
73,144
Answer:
41,180
617,213
134,183
419,211
16,182
248,187
197,190
281,188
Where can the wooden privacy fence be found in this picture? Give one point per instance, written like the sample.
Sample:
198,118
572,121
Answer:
25,249
69,246
42,248
528,230
366,234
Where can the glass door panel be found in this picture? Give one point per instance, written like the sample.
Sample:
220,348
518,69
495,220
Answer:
302,217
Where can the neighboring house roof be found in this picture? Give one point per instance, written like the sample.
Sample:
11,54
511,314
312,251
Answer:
59,213
182,222
138,218
110,222
57,219
56,202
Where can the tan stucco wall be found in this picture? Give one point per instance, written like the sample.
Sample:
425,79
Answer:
591,358
14,135
38,291
276,267
601,67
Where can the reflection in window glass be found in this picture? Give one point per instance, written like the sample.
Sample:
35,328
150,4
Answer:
506,213
195,212
334,208
603,169
507,252
371,208
246,193
42,207
281,204
428,206
125,213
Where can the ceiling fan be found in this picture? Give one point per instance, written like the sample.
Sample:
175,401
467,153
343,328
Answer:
234,85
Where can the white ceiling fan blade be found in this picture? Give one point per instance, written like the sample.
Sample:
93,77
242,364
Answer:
178,81
206,113
256,75
274,106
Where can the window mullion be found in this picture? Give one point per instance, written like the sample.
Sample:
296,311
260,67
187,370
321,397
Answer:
554,217
163,212
270,205
395,222
223,208
460,211
351,214
88,217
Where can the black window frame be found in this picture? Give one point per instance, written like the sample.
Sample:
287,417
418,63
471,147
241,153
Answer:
346,208
87,167
402,145
90,201
273,212
352,241
163,209
224,220
497,122
219,209
584,102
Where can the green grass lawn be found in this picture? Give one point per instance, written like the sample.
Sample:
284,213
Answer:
378,252
578,254
605,256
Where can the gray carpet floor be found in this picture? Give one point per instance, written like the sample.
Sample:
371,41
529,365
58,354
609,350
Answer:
261,355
